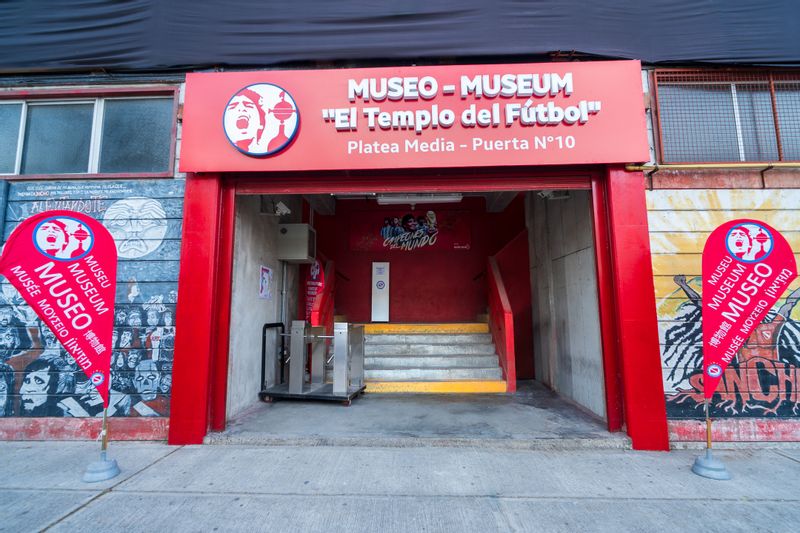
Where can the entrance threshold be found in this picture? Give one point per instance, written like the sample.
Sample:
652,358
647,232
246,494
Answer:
532,418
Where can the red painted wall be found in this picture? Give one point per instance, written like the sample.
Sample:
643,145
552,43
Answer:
425,285
513,262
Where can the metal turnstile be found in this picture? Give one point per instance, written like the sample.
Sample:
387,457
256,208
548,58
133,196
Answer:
348,364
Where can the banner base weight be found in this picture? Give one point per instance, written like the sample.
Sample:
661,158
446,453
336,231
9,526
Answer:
707,466
101,470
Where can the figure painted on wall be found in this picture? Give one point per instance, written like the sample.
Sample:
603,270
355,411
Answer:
137,224
6,390
14,340
21,313
683,353
762,380
48,342
147,380
38,389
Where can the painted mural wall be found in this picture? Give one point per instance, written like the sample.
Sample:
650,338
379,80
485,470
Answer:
37,376
764,379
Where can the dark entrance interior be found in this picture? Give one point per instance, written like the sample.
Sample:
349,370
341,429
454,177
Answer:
540,243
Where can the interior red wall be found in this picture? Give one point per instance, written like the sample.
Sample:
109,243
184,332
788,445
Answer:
514,265
425,285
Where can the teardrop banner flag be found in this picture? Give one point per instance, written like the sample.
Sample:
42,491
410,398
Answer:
64,264
747,266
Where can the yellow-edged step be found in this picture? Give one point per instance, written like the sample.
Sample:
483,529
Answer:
421,329
437,387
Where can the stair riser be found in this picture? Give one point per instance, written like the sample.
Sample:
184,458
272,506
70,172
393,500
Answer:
477,361
413,374
429,349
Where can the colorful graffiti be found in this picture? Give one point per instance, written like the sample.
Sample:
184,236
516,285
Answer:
37,377
762,381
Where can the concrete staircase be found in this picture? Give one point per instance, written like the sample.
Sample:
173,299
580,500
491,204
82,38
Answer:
432,358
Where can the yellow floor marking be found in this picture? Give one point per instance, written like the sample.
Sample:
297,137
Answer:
375,329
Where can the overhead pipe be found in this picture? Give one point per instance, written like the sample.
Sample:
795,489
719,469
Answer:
651,169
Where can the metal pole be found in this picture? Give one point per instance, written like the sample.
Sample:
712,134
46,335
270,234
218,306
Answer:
341,356
706,465
105,468
297,351
104,431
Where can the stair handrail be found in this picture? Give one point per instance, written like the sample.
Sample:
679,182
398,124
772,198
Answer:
322,312
501,324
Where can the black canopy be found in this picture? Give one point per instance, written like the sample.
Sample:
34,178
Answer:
81,35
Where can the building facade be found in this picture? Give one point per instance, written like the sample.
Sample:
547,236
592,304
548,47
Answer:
594,226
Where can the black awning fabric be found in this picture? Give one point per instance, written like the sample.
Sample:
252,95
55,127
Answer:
82,35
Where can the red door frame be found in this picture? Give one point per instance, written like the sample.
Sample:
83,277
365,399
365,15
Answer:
632,363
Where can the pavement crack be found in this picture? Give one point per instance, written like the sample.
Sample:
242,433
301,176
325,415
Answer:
493,496
782,454
105,491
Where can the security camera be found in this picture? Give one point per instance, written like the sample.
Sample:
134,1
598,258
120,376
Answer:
282,210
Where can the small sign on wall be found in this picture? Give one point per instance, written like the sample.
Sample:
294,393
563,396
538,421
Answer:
380,292
265,283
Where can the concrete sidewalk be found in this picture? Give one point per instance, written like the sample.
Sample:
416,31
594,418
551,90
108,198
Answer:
532,418
354,489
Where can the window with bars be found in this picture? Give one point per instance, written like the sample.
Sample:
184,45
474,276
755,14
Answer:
93,136
706,116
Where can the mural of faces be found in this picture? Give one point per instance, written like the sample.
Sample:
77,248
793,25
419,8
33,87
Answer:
37,375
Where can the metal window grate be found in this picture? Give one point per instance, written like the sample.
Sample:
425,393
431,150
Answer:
706,116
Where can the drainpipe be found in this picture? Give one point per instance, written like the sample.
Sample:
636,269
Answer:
652,169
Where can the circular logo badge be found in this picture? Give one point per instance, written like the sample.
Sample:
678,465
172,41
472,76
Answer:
749,242
261,120
714,371
381,285
97,379
63,238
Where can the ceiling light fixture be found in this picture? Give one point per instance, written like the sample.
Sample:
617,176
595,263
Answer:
413,199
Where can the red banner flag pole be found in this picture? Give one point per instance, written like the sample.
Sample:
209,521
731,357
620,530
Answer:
64,265
747,266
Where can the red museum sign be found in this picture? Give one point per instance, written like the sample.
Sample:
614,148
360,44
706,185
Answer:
414,117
